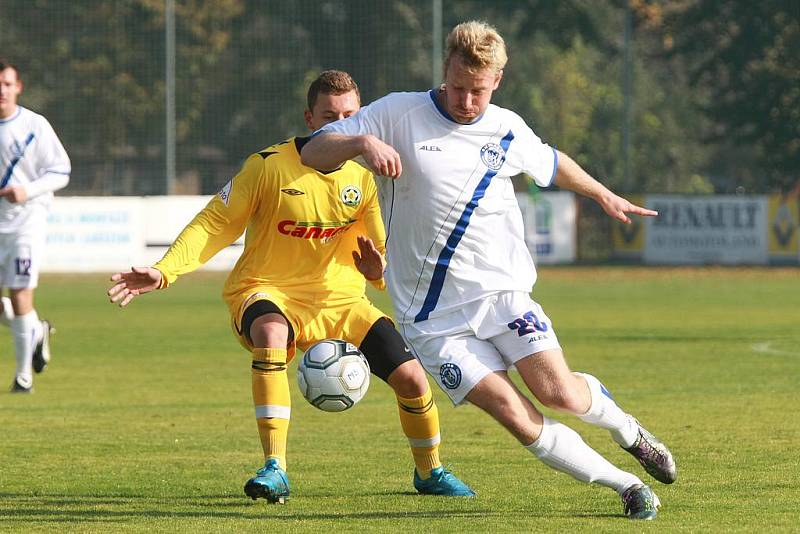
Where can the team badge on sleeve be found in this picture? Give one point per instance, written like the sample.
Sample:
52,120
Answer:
493,156
351,196
450,374
225,192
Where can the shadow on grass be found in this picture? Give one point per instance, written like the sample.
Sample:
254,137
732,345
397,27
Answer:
122,509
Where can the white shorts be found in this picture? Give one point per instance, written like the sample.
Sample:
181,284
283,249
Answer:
20,259
460,348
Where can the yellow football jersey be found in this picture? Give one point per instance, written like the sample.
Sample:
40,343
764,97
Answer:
301,227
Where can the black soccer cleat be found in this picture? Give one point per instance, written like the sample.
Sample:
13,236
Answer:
639,502
41,354
654,456
16,387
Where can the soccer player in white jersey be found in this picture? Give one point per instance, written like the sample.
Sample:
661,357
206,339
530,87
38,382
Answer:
459,271
33,164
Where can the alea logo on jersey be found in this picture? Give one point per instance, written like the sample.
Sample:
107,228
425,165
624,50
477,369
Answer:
351,196
493,156
323,231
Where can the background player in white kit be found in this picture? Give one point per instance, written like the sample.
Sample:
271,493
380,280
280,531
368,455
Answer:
33,164
459,272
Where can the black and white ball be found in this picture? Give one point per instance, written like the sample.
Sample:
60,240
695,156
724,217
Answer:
333,375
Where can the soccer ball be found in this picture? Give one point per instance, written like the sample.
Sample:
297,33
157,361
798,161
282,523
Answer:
333,375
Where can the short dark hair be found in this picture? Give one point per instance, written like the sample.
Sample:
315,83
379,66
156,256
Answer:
8,65
331,82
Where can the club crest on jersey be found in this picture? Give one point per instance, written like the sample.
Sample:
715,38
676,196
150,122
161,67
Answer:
493,156
351,196
450,374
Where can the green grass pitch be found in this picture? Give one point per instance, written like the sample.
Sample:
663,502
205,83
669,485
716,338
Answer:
143,421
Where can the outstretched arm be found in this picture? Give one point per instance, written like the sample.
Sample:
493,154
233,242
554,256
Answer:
137,281
571,176
327,151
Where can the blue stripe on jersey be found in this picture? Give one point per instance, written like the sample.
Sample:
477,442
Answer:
439,272
10,169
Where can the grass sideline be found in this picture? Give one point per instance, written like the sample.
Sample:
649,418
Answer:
143,422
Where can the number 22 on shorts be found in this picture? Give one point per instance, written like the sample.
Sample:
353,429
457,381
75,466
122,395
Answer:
527,324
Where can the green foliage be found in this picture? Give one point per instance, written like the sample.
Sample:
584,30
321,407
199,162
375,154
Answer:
715,98
143,421
747,55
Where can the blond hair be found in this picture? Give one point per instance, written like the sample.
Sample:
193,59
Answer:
477,45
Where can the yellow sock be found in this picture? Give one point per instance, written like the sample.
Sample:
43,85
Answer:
419,418
272,401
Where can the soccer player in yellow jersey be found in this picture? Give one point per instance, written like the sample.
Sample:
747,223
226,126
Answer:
312,239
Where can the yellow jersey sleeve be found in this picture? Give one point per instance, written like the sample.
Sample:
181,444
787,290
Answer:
374,225
217,225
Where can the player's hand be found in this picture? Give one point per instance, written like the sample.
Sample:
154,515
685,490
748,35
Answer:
381,158
369,261
14,194
618,208
137,281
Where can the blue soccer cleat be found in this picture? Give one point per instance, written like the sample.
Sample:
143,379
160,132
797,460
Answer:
639,502
442,482
270,483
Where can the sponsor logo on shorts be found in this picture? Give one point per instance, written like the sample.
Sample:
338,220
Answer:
450,375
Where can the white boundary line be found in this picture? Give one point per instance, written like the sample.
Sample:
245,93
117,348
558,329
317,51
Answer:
765,348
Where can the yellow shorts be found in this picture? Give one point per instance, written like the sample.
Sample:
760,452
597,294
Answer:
312,318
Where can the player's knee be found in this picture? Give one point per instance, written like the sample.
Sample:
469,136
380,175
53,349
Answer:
562,398
270,330
408,380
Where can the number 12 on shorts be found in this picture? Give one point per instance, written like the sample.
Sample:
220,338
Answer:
527,324
23,266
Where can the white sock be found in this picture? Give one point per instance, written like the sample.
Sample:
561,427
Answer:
26,330
8,311
605,413
562,448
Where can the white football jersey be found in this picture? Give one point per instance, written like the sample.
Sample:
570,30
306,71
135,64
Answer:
31,156
454,227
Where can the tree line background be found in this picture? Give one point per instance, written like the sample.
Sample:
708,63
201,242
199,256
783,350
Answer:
714,95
